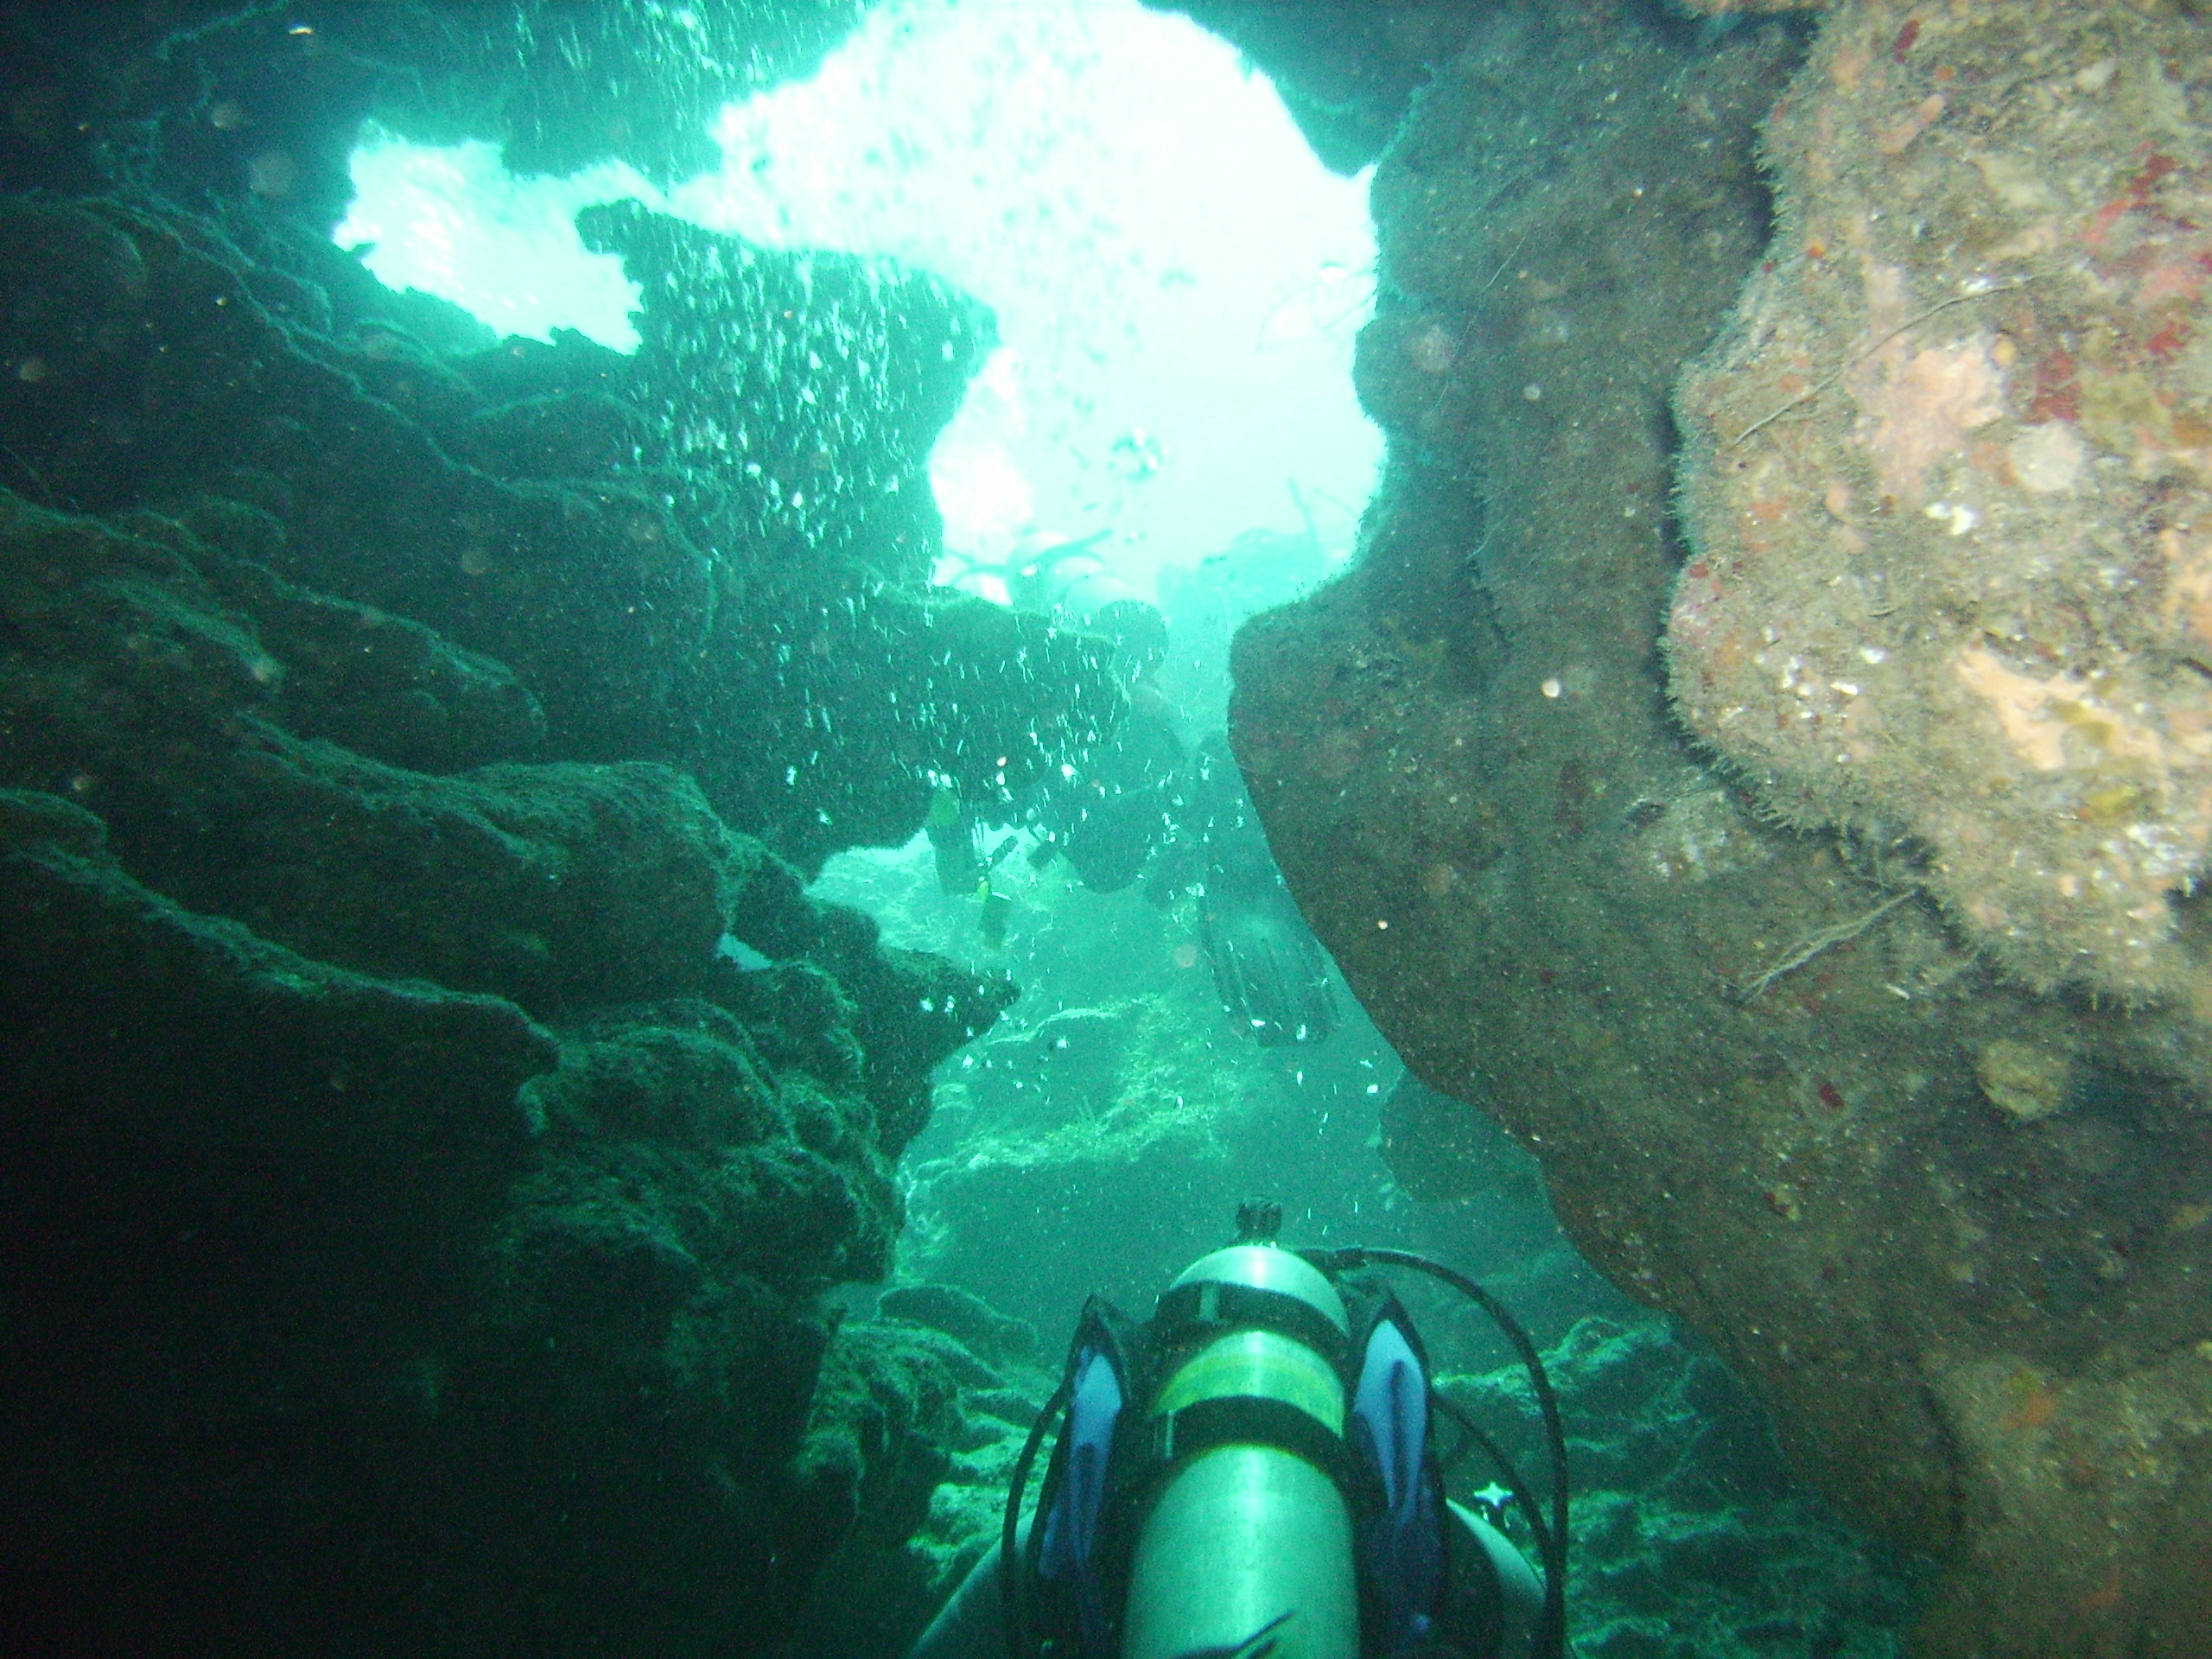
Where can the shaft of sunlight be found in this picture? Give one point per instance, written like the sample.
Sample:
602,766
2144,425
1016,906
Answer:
1177,281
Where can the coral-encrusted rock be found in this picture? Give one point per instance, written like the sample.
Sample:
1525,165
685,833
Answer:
427,1312
1949,477
416,1210
1687,1540
652,610
432,1115
1791,1106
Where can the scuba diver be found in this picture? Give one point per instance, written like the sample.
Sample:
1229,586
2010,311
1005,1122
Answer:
1270,971
1143,805
1106,817
1252,1474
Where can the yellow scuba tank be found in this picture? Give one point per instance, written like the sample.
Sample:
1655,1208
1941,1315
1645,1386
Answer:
1246,1546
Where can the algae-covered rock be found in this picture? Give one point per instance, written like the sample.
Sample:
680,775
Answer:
2027,1082
436,1121
924,1411
1948,472
963,1315
804,393
425,1254
650,610
1687,1539
170,707
418,1075
334,1088
213,102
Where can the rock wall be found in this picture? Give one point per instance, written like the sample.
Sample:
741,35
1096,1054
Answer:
1947,1217
558,508
434,1121
1346,69
414,1228
1689,1540
213,103
1953,456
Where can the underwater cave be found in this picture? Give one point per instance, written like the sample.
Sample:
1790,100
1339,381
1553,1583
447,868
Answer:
1382,817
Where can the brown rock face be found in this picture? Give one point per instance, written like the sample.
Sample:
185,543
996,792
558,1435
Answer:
1958,1232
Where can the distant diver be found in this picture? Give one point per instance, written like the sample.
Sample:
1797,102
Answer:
1254,1473
1141,805
1140,808
1271,972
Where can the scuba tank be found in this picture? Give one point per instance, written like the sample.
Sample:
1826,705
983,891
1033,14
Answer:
1247,1538
1252,1474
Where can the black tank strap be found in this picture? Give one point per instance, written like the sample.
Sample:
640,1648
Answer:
1208,1307
1178,1436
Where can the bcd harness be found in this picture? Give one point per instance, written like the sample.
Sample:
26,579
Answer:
1139,1402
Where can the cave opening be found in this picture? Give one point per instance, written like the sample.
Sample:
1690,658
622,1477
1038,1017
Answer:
1176,279
1167,424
